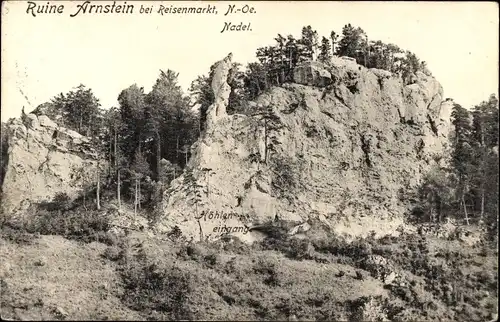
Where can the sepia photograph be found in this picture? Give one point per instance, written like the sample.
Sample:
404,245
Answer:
249,161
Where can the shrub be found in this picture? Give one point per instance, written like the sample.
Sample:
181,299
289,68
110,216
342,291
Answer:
267,267
16,236
113,253
154,287
175,233
61,201
77,223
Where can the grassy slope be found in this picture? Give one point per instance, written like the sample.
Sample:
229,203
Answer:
142,277
51,276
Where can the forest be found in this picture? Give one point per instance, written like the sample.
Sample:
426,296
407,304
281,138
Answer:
147,138
101,257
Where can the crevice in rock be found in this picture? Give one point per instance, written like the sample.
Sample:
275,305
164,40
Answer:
293,107
420,147
45,161
330,115
380,82
353,89
365,146
433,125
328,90
339,97
238,201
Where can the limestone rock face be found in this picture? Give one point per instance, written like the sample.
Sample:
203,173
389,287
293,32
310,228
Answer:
313,74
221,90
44,159
346,155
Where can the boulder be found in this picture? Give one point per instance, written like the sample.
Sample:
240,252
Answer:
312,73
45,121
32,121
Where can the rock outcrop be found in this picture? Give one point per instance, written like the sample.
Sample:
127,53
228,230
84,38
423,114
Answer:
345,152
313,74
221,90
44,159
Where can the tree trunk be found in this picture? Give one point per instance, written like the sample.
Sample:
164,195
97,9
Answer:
139,193
158,154
116,157
482,204
465,211
98,190
135,201
118,190
110,157
208,184
440,209
201,230
84,194
265,141
177,150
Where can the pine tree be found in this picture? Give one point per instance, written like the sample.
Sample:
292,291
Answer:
132,111
485,139
201,90
325,51
139,171
462,152
334,37
351,44
78,109
309,39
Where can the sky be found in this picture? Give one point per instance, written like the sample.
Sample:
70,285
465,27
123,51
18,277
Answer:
51,53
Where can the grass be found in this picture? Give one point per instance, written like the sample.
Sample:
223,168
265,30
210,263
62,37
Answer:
280,278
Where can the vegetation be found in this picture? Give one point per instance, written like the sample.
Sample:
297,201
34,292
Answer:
147,128
146,140
275,64
468,184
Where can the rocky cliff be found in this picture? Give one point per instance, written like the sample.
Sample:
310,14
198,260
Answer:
44,159
343,144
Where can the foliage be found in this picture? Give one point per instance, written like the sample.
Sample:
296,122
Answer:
436,194
4,146
325,54
79,110
469,184
65,218
284,180
164,289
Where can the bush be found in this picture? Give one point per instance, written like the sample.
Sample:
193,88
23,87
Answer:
78,224
112,253
157,288
17,236
61,201
267,268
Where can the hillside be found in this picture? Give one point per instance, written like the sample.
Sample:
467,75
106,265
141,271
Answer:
144,278
300,205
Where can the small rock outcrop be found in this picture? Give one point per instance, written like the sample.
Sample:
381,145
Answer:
44,159
343,145
312,73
